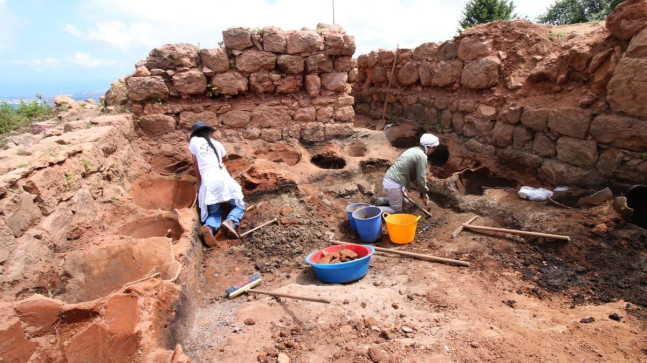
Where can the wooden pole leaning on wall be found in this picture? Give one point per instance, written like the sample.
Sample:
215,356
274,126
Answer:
380,124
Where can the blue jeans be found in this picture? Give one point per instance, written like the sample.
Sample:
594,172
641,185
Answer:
214,218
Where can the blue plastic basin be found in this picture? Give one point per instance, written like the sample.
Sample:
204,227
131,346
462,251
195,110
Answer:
344,271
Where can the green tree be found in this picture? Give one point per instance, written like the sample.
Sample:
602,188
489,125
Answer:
485,11
577,11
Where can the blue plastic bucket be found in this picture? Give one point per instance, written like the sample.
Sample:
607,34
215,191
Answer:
369,223
344,271
350,209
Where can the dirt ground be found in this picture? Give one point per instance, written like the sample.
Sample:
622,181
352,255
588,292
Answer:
522,298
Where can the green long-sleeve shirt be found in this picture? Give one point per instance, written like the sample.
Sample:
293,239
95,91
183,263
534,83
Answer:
411,165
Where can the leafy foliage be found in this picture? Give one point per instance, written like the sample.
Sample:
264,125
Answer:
484,11
577,11
25,113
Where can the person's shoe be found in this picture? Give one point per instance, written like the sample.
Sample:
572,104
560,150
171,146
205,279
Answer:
207,234
230,229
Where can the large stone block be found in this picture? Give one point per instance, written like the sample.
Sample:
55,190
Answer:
274,40
502,134
192,82
471,48
304,41
334,130
481,74
319,63
270,117
628,18
345,113
289,84
543,145
290,64
577,152
620,131
147,88
230,83
236,118
335,81
237,38
627,89
215,59
573,122
253,60
536,120
313,132
340,44
521,137
447,72
408,74
171,56
425,51
556,173
262,82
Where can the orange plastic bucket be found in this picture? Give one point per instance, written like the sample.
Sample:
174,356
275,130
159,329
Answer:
401,227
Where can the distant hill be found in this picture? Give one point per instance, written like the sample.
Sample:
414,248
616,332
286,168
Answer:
79,96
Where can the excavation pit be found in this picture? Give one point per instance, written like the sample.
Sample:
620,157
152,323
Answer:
279,153
475,181
97,272
637,200
166,225
165,194
328,161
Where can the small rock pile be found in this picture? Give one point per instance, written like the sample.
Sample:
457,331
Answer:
343,255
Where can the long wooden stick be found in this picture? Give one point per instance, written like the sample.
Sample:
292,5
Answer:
460,229
380,124
417,205
271,293
261,226
414,255
516,231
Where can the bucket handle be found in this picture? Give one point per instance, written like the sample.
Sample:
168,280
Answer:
385,215
417,219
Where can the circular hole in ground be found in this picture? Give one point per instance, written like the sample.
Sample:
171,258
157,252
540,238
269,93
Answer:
473,181
107,267
166,225
328,161
165,194
405,142
439,157
637,200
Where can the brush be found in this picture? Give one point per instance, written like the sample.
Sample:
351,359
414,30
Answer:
247,284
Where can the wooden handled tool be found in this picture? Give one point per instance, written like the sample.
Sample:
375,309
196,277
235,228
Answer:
417,205
505,230
516,231
247,285
314,299
257,227
414,255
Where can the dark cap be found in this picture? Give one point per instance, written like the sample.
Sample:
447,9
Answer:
199,126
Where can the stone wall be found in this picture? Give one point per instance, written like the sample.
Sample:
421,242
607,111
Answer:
267,83
567,106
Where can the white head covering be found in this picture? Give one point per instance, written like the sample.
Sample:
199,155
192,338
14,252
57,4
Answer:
429,140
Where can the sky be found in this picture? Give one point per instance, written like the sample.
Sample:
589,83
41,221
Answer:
69,46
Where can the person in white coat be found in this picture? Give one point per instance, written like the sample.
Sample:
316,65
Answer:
217,186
